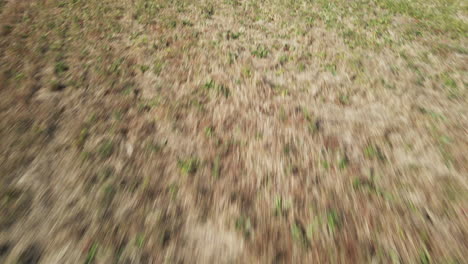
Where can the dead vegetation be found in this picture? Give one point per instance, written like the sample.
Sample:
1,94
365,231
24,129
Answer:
237,131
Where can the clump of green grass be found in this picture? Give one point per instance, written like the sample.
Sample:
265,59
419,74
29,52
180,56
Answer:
325,164
333,221
189,166
434,115
105,173
372,151
106,149
156,147
158,66
359,183
223,90
117,115
144,68
282,114
246,72
243,224
6,30
424,257
331,68
445,152
281,90
313,125
187,23
343,162
218,88
61,67
85,155
451,86
208,11
387,84
209,85
109,194
19,76
146,105
232,35
260,52
343,99
283,59
313,227
146,11
84,133
231,58
369,185
139,240
298,234
280,206
432,18
354,39
209,131
172,24
287,148
301,67
115,66
365,184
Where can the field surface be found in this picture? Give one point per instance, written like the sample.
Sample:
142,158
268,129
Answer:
233,131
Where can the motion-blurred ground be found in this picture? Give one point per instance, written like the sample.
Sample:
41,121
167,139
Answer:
235,131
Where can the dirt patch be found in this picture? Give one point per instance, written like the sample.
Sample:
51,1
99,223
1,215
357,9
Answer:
208,243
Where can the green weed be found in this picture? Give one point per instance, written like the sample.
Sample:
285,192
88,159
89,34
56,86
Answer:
189,166
91,254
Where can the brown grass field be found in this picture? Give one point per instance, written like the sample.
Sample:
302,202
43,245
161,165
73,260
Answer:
233,131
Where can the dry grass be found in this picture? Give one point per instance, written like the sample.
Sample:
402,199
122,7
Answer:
237,131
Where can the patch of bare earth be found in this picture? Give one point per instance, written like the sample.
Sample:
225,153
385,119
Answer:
156,131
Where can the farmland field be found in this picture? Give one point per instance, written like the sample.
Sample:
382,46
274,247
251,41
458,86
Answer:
233,131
